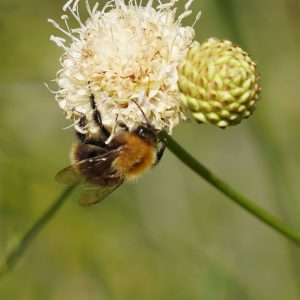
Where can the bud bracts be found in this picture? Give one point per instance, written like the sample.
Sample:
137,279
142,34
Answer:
219,83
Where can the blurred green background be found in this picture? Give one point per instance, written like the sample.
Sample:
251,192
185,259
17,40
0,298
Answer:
170,235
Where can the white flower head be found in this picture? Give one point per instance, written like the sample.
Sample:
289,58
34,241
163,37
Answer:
123,54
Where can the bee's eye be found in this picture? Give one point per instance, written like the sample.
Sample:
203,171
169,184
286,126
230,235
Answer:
146,133
141,132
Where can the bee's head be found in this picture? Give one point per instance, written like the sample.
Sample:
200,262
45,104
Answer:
146,133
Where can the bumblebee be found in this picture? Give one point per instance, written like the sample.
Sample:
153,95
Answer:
102,167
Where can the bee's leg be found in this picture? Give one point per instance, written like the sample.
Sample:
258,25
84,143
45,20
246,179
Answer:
97,118
161,151
83,137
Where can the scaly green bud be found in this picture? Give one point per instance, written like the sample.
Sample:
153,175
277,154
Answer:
219,83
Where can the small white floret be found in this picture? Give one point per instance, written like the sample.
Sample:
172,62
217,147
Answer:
123,54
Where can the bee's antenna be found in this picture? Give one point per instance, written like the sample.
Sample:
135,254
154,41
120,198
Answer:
147,121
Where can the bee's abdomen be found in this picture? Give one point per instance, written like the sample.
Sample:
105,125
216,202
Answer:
81,152
93,171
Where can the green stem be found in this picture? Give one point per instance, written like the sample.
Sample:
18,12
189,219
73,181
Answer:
223,187
269,146
13,256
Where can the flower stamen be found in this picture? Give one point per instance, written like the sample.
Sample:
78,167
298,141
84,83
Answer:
123,53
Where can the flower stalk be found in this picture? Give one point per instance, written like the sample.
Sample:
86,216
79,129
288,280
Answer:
14,255
226,189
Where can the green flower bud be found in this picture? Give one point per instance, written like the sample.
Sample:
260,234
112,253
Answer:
218,83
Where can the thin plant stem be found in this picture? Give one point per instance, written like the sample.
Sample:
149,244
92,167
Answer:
239,199
269,146
13,256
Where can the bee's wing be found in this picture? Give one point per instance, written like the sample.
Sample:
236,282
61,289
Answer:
69,175
93,194
72,175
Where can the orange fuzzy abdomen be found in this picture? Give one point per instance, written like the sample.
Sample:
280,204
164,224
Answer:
136,158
